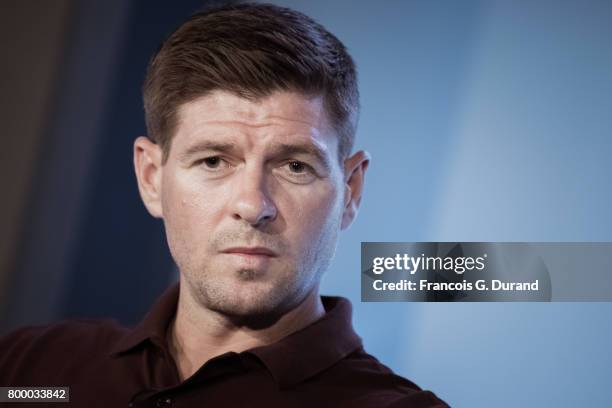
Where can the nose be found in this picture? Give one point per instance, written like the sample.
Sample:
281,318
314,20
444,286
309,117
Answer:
251,201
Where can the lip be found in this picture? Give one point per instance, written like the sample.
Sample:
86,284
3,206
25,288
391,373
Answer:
262,251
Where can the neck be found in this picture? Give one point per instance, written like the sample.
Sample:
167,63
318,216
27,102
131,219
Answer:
198,334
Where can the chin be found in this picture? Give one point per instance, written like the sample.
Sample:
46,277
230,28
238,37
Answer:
245,298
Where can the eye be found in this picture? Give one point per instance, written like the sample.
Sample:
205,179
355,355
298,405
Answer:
297,167
297,172
212,162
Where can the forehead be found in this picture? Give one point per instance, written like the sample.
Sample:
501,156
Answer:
281,115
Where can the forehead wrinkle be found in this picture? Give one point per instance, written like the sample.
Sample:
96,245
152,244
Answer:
233,116
256,113
250,131
195,126
261,123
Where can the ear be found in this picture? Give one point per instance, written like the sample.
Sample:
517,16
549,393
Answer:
148,168
354,175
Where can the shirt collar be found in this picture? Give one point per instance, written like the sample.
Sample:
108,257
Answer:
314,348
290,360
154,325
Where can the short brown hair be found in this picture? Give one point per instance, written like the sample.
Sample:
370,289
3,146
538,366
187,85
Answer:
250,50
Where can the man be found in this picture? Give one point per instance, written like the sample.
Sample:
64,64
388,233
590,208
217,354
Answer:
251,113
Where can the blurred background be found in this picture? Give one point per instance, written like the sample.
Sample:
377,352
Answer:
486,120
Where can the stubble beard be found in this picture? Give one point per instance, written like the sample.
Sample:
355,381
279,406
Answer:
252,304
258,303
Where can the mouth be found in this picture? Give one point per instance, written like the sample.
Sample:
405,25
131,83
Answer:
251,251
252,258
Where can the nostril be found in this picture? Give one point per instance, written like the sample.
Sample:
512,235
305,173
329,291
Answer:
264,219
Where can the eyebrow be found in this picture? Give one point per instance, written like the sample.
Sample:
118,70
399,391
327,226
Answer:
229,148
279,149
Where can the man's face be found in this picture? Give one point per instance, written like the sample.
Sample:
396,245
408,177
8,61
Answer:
252,198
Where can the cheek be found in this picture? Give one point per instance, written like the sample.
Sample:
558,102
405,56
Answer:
315,231
316,211
190,212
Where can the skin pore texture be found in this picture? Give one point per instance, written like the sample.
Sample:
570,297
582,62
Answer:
253,198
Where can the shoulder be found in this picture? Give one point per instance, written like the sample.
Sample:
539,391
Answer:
379,386
74,333
32,347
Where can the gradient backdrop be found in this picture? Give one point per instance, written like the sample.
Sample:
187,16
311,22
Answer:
486,120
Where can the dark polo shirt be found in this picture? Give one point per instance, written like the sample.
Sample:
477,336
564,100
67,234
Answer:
107,365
